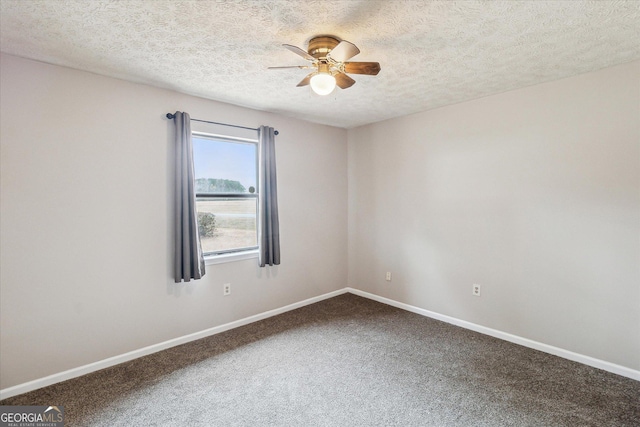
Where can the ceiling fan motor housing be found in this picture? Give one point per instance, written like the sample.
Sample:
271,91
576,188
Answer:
320,46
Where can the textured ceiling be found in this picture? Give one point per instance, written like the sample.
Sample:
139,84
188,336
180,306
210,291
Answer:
432,53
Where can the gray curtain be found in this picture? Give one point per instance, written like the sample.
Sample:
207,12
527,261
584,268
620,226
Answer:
269,227
188,261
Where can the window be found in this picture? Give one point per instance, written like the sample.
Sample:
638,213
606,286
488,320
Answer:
226,182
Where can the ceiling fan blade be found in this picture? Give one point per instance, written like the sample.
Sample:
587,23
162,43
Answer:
343,51
343,81
298,51
305,81
292,66
371,68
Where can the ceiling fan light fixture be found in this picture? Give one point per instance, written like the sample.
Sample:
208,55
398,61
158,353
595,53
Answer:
330,58
323,83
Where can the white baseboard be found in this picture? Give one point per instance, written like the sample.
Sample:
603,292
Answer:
566,354
111,361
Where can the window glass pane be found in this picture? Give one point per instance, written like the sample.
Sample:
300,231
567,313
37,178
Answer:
223,166
227,224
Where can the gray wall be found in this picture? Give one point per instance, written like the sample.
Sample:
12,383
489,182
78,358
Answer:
86,220
534,194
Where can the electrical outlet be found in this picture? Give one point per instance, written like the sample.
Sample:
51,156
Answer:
388,277
226,289
476,290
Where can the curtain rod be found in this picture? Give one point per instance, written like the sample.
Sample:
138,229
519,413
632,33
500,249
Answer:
171,116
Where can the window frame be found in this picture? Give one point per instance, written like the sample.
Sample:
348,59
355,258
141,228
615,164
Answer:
235,254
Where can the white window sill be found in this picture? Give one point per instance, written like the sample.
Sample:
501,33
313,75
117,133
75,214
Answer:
237,256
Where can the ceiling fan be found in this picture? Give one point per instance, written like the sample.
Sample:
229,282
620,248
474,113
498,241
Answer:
329,59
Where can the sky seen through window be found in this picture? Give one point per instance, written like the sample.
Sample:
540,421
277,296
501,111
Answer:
224,160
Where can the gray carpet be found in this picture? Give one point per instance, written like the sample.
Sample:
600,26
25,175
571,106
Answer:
346,361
